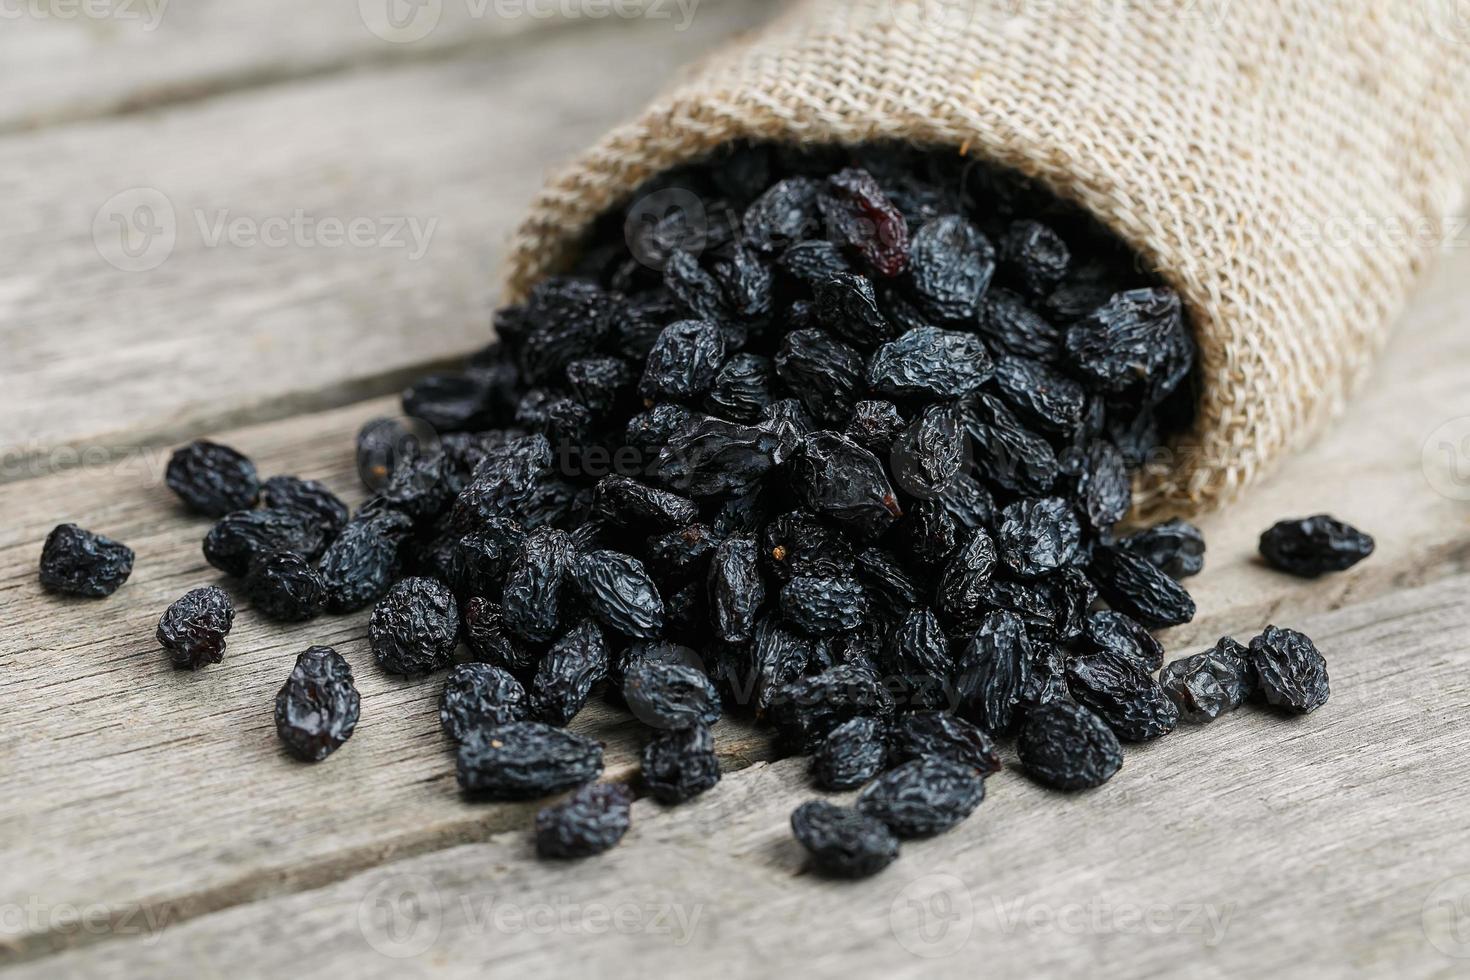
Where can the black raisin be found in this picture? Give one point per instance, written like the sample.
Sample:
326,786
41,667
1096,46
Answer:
1290,671
525,760
1314,546
1209,684
1124,695
618,590
241,539
1176,547
850,755
923,797
194,627
593,820
414,628
736,590
317,707
566,675
933,734
669,695
285,587
680,764
1066,746
480,695
81,563
212,479
843,843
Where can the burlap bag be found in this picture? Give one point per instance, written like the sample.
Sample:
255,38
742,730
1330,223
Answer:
1289,166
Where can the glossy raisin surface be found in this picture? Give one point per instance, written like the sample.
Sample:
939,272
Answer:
317,708
77,562
194,627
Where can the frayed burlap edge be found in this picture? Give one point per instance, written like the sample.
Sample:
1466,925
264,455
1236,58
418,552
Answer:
1287,166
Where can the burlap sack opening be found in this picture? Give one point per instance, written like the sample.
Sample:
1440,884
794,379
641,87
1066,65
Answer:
1289,166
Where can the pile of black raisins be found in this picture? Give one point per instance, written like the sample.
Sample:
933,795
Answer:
843,446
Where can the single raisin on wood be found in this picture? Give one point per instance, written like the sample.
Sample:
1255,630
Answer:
212,479
317,707
525,760
81,563
1314,546
843,843
591,821
194,627
414,628
923,797
1289,669
851,754
285,587
478,696
1066,746
1209,684
679,764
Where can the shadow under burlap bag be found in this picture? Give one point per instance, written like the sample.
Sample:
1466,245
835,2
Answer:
1287,166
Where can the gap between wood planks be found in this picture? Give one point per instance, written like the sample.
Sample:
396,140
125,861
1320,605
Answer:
231,327
1267,842
128,816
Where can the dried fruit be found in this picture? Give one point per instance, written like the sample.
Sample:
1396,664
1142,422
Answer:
736,590
850,755
862,219
525,760
317,707
950,265
992,670
618,590
307,495
212,479
1209,684
1066,746
285,587
824,606
680,764
843,843
1037,537
480,696
1290,670
668,694
923,797
414,628
593,820
931,363
1122,694
1314,546
358,567
845,483
1176,548
241,539
933,734
567,673
194,627
1133,585
80,563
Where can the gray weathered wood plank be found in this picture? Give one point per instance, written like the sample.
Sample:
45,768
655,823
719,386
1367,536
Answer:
129,779
124,769
67,61
1313,846
263,305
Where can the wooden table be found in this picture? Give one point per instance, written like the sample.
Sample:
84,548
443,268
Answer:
149,822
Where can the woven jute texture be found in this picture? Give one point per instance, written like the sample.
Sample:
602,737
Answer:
1289,166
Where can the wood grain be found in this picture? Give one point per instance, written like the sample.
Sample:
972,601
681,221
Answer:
131,782
263,307
1311,846
135,785
65,62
